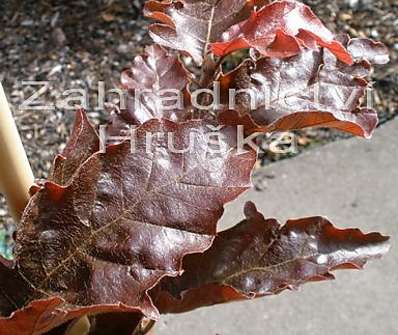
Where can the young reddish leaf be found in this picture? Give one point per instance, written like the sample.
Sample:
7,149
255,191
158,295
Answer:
81,145
366,49
156,84
35,319
260,257
45,312
364,52
312,89
125,220
190,25
44,316
281,29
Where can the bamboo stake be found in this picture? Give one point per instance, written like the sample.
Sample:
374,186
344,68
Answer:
16,175
79,327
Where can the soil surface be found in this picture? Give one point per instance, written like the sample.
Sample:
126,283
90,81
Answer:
76,44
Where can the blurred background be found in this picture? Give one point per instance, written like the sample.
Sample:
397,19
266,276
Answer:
76,44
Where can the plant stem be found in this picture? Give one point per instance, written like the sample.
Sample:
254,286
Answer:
16,175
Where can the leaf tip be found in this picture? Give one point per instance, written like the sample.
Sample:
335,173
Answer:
56,192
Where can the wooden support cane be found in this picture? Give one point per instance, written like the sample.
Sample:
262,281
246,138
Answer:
16,175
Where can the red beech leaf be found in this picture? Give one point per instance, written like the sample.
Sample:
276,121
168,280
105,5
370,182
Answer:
191,25
312,89
281,29
155,83
365,52
45,315
125,220
52,315
35,319
371,51
81,145
259,257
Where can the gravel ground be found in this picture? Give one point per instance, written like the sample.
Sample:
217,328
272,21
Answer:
75,44
71,45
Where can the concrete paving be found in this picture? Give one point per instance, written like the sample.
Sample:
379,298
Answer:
353,182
